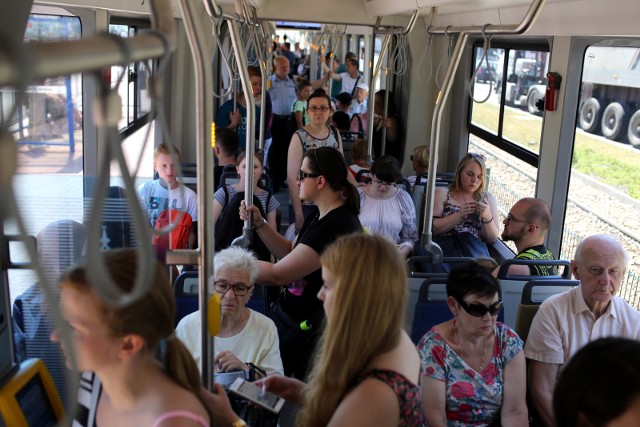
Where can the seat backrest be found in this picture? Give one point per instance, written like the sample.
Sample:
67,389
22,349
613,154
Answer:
404,184
185,291
534,293
431,308
512,286
229,178
422,265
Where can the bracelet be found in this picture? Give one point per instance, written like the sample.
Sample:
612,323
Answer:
486,222
264,221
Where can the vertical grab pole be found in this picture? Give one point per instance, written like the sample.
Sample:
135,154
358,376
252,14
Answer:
241,60
443,95
204,160
376,72
263,76
383,148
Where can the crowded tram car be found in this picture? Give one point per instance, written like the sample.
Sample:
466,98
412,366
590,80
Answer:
192,193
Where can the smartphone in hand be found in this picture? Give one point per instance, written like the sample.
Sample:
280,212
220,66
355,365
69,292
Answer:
256,395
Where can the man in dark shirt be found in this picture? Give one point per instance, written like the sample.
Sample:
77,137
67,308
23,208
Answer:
227,143
527,225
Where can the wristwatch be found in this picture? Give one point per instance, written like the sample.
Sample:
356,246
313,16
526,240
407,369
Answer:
239,423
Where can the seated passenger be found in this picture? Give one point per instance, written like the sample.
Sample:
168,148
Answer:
245,336
387,210
394,145
167,192
59,246
322,179
464,215
473,367
600,386
567,322
527,225
358,157
420,164
366,369
118,345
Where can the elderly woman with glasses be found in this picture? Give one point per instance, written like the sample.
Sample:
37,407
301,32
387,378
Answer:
465,216
313,135
245,336
473,367
322,179
386,210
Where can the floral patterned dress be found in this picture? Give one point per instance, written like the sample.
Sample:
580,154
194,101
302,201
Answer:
409,396
473,398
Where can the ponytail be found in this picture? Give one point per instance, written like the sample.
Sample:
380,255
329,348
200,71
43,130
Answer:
350,193
180,365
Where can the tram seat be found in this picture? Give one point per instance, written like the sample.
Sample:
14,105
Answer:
404,184
185,290
363,175
230,178
419,195
416,278
431,307
512,285
190,175
530,302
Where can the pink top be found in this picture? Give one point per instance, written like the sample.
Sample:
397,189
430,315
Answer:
183,414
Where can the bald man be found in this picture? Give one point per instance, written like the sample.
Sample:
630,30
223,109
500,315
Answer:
527,225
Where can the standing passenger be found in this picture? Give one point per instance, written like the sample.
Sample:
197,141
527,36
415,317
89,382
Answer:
283,95
117,345
322,179
316,134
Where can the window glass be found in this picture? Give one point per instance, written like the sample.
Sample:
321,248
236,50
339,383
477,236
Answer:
604,190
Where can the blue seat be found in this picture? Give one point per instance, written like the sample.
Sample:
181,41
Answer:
430,310
185,291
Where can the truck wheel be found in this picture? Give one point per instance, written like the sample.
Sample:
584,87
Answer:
633,130
589,117
534,95
613,121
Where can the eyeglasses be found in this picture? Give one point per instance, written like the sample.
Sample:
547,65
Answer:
388,184
315,109
511,218
303,175
479,310
239,289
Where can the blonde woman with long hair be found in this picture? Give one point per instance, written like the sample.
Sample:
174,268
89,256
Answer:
366,369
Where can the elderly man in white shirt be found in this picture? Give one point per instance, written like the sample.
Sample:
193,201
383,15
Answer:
359,102
567,322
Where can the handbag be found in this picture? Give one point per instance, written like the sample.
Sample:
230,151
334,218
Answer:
254,415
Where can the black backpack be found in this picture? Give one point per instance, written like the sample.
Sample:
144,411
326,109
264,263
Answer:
229,225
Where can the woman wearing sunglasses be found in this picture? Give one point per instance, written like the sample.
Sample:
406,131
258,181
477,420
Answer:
473,367
465,216
313,135
298,314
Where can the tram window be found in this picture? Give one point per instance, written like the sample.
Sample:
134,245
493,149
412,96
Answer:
133,89
604,188
513,81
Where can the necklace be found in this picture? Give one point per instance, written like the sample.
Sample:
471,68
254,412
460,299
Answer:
322,214
462,352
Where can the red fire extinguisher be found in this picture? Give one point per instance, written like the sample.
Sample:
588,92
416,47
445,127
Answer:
553,85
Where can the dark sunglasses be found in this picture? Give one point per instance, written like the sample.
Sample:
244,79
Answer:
479,310
303,175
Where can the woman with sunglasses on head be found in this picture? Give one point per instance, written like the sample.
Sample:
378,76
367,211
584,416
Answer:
313,135
322,179
473,368
387,210
465,217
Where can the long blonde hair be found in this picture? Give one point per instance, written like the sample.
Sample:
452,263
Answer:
365,321
479,194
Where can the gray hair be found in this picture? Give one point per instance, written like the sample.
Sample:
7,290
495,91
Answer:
604,239
235,258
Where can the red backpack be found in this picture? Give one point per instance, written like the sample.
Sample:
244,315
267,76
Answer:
178,237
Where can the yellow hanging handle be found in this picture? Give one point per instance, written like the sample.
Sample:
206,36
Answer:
214,315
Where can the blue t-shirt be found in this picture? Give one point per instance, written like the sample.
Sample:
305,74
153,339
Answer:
223,120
